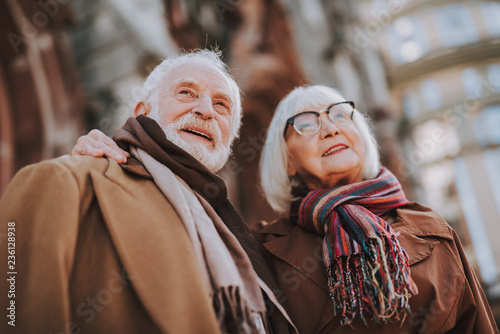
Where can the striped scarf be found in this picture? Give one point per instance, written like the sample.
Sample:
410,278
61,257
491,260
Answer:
368,270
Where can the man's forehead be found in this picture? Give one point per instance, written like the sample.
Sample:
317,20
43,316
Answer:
198,76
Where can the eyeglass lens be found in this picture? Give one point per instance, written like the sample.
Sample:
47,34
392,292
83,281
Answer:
309,123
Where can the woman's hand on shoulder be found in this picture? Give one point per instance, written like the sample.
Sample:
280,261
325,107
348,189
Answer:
97,144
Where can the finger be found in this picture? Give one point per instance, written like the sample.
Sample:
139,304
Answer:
101,138
99,149
81,147
114,152
87,146
97,135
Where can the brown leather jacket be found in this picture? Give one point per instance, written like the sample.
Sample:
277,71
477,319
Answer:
450,298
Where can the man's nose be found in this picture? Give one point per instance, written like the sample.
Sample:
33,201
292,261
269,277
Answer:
205,108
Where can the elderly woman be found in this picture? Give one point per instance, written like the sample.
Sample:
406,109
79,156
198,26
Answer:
352,255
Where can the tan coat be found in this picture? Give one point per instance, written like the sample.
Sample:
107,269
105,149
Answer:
98,250
450,299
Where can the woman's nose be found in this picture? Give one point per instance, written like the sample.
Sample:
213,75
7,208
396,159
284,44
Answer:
328,127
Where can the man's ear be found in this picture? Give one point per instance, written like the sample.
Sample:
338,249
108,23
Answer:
142,109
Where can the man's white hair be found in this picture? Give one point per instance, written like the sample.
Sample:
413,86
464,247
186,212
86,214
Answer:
275,182
152,85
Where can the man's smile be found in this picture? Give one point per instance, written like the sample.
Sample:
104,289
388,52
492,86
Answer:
200,133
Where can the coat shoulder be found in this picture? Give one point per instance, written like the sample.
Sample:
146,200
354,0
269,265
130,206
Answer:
66,165
424,222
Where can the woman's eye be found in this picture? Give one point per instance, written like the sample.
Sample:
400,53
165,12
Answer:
220,104
339,115
184,92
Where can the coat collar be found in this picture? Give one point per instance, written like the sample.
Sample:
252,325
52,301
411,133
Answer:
119,194
414,222
134,166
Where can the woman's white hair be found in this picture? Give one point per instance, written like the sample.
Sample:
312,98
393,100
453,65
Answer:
152,85
275,182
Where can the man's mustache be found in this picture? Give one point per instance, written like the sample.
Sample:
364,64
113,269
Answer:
190,121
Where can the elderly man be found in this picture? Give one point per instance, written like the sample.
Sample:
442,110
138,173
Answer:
152,246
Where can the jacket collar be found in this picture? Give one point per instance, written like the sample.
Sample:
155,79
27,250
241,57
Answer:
134,166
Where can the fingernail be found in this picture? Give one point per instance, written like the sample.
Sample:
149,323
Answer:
119,157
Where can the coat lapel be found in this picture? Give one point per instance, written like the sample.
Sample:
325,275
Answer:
151,241
293,245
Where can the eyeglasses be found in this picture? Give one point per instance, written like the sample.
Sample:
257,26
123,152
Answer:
308,123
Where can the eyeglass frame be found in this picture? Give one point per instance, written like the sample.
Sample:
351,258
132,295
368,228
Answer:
289,121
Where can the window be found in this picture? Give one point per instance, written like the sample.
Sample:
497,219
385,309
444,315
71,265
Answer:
494,76
410,104
407,40
487,126
491,160
491,15
472,83
435,140
312,12
431,94
475,223
437,183
455,25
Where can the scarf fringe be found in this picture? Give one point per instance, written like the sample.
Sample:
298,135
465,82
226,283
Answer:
374,284
233,313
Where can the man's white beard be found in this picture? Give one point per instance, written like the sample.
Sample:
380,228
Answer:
214,159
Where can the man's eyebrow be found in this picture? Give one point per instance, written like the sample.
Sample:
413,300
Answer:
191,83
185,82
223,95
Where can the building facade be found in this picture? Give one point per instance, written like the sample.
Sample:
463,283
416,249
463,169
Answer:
442,60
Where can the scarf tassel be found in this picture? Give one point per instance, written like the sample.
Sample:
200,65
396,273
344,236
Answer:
233,314
372,284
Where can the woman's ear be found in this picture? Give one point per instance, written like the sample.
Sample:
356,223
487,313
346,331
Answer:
142,109
290,169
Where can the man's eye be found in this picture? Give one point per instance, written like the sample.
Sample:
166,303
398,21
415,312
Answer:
222,104
185,92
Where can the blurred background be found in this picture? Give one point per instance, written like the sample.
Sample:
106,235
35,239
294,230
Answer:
427,72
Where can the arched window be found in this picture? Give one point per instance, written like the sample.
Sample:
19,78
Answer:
407,40
487,126
491,16
472,83
455,25
431,94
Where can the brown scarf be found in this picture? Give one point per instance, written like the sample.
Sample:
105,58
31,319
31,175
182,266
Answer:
144,133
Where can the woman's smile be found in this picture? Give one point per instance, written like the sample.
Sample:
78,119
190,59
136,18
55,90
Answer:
335,149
